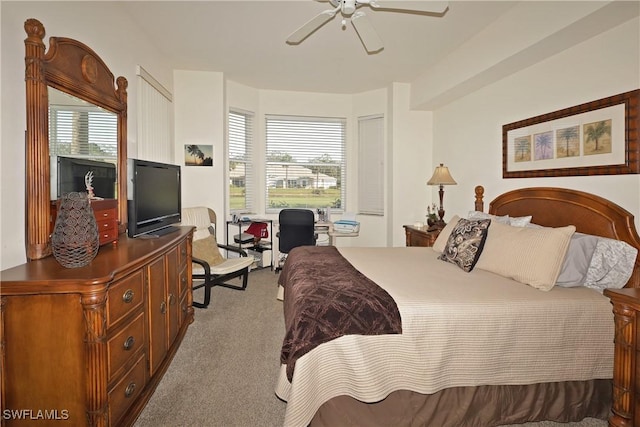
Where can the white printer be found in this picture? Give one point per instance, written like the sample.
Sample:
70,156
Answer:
347,224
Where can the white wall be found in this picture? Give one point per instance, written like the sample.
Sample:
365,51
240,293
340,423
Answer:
200,119
107,30
464,134
411,143
468,132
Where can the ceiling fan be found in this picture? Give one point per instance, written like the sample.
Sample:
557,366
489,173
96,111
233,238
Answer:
368,36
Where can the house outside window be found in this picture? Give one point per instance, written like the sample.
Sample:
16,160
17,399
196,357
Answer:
306,165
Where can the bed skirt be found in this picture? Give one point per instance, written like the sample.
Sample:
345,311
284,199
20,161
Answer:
474,406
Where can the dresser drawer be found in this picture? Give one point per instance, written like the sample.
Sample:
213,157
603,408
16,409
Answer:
183,280
182,254
124,345
106,213
124,297
420,236
125,392
108,235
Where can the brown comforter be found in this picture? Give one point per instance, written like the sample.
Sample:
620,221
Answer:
344,302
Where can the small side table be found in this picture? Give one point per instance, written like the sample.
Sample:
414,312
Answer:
420,236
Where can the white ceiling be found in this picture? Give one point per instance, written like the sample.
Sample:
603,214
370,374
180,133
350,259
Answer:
246,41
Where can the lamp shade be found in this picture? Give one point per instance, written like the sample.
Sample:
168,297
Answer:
441,176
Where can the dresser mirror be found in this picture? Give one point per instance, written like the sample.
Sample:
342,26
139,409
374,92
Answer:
74,71
78,128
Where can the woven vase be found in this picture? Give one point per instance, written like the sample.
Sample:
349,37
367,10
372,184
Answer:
75,239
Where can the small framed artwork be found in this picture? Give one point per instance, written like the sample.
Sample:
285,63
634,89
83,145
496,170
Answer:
198,155
597,138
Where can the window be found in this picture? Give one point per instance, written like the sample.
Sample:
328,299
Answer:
83,131
155,118
371,165
240,167
305,165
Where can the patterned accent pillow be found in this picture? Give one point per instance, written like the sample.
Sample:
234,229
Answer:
465,243
611,265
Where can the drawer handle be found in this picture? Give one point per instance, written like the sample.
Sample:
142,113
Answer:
163,307
128,344
128,296
105,214
131,388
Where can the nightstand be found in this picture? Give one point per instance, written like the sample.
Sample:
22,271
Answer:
626,365
420,236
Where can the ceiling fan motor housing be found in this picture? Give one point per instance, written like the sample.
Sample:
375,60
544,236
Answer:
348,6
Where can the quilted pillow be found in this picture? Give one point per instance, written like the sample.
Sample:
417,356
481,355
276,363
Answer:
611,265
528,255
465,243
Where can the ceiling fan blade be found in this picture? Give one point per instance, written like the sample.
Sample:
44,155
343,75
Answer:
307,29
428,6
370,39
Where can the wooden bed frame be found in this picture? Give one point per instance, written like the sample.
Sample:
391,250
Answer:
557,207
551,207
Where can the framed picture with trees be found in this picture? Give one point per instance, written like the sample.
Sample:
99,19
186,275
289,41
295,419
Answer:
596,138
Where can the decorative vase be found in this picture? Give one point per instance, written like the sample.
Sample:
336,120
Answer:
75,239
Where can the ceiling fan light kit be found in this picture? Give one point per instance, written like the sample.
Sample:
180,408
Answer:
368,35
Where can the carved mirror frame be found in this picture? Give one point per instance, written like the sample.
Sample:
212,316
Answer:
71,67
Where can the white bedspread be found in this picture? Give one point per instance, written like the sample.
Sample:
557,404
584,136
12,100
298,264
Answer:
459,329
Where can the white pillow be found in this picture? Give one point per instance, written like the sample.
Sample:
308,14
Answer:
528,255
520,221
494,218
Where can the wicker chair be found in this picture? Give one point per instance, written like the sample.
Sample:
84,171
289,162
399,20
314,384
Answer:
210,268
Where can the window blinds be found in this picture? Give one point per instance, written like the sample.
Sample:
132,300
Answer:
155,118
83,131
371,165
306,165
241,183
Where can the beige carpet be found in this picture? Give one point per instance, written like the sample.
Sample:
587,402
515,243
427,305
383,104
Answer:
225,371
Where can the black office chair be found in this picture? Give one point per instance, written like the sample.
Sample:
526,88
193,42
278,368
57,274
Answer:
296,229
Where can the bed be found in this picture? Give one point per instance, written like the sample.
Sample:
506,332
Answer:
433,344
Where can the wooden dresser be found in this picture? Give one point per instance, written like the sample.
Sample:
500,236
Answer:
88,346
419,236
626,370
106,213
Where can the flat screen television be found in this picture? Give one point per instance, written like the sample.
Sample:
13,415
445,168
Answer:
68,175
153,198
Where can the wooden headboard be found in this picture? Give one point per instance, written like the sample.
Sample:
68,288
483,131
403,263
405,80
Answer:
557,207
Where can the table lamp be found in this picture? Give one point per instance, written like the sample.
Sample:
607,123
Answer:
441,177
